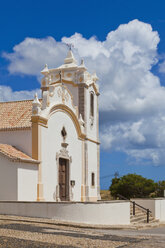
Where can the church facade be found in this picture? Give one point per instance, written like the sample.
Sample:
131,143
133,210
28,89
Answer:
49,147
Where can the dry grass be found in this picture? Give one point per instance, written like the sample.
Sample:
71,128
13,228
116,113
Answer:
105,195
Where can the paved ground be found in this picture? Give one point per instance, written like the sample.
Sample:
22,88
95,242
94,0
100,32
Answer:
23,234
153,237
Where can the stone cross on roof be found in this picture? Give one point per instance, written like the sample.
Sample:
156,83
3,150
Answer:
70,45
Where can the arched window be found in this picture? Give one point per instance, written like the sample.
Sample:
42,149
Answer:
92,104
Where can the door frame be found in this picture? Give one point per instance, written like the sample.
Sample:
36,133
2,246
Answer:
64,155
67,175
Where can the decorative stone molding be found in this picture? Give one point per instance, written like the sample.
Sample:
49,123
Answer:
36,109
63,94
63,153
66,109
81,121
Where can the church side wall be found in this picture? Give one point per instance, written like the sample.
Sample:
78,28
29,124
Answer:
92,131
27,181
21,139
8,180
92,168
51,145
18,181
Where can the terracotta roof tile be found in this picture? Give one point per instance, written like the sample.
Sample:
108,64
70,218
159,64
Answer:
15,155
15,115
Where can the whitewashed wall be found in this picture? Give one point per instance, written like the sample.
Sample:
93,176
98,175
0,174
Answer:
101,213
160,209
155,205
91,129
18,181
21,139
92,167
27,181
92,133
8,180
51,144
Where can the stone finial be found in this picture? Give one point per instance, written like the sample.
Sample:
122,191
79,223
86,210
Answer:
82,62
82,65
36,109
70,58
36,101
45,70
94,76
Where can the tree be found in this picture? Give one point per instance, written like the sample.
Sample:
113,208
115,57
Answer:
160,189
132,185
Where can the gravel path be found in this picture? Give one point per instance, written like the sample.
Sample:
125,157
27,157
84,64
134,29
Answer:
31,235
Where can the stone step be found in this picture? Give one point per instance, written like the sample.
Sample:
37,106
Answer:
142,221
154,222
145,225
138,209
140,214
140,218
151,219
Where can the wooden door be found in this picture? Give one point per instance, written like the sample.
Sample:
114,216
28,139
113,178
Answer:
63,180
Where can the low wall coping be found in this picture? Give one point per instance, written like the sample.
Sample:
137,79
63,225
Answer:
159,198
65,202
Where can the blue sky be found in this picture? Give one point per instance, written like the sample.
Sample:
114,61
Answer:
132,141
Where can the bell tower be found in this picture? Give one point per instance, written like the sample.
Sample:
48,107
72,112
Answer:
84,91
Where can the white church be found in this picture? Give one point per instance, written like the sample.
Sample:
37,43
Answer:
49,147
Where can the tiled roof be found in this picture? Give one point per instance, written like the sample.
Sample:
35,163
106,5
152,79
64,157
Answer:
15,115
15,155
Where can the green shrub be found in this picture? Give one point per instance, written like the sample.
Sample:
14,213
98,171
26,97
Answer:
132,186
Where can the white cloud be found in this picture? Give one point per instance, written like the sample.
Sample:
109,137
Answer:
30,56
162,67
132,100
7,94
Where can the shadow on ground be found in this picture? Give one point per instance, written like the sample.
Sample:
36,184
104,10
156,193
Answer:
67,233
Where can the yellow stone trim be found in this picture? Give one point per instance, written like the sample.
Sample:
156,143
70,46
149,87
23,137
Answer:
65,81
34,112
66,109
44,88
95,88
80,79
93,198
43,83
69,74
94,141
57,75
40,192
40,120
37,122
